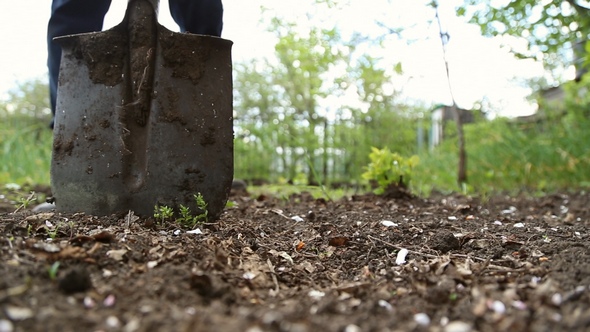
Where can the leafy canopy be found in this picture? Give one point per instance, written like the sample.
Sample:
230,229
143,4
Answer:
551,28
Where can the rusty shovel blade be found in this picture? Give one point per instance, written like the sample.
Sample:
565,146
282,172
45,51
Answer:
143,118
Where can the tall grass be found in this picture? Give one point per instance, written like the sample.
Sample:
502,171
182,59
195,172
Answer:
25,151
25,139
502,154
505,156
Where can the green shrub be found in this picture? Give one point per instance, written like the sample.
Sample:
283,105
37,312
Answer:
388,169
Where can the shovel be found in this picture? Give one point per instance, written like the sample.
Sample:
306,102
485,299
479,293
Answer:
143,119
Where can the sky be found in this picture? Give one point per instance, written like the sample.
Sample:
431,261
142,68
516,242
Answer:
480,67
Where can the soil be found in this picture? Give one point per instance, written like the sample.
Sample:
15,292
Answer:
304,264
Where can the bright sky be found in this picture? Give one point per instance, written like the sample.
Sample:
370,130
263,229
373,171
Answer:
480,68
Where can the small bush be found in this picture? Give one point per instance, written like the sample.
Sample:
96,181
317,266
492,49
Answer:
389,169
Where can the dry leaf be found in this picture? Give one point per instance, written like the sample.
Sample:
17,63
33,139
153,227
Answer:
117,254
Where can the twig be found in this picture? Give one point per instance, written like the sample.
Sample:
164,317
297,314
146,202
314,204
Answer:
25,202
274,276
491,266
400,248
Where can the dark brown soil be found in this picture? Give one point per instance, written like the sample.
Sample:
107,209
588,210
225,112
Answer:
304,264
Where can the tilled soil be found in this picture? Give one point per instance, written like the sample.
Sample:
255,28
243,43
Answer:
304,264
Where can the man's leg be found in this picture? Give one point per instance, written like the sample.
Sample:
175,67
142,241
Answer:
70,17
203,17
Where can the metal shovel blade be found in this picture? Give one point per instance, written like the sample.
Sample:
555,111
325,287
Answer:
143,118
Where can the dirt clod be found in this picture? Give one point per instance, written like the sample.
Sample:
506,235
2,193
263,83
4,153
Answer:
444,241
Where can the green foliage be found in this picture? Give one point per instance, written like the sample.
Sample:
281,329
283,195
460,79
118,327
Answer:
24,202
163,213
25,139
52,270
388,169
549,27
189,220
507,156
52,232
292,120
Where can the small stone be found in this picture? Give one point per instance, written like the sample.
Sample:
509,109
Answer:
6,325
388,223
113,322
18,313
457,326
422,319
352,328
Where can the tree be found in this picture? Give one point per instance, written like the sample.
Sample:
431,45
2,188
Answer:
551,28
28,101
314,111
277,104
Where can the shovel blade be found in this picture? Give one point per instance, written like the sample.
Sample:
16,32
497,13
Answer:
112,155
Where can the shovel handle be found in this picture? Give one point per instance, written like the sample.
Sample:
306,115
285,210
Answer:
154,3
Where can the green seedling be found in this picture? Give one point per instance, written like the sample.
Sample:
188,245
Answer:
52,270
24,202
53,232
187,219
163,213
202,206
388,169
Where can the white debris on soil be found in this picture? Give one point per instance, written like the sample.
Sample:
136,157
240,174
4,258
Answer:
6,325
388,223
316,294
117,254
297,218
401,256
422,319
457,326
18,313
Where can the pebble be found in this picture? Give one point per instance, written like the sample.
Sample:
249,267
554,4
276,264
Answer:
352,328
18,313
422,319
457,326
6,325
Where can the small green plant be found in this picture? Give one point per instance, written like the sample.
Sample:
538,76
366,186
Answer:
188,219
163,213
24,202
388,169
52,270
53,232
453,296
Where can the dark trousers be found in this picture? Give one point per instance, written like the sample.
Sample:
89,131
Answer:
79,16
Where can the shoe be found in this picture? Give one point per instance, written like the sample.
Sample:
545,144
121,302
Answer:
44,207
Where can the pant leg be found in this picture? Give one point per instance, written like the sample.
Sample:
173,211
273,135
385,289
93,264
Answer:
203,17
70,17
